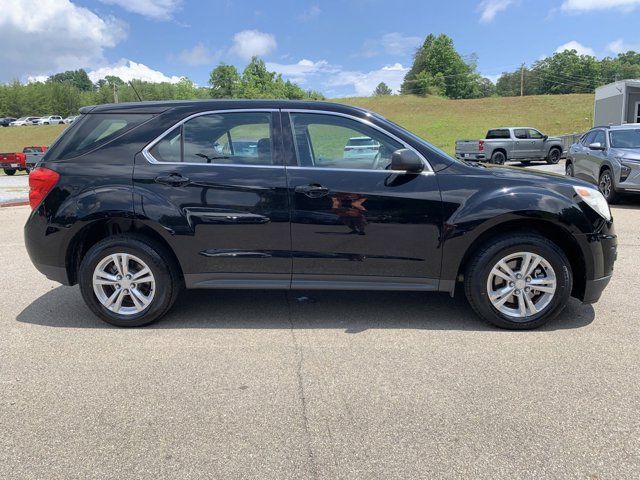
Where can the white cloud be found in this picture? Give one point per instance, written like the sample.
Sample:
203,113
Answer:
392,44
490,8
363,83
128,70
589,5
45,36
620,46
198,55
493,78
301,71
156,9
577,46
310,13
248,43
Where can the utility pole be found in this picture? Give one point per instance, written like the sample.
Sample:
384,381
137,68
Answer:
115,93
522,80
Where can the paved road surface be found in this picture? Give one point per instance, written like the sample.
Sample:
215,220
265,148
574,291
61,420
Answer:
337,386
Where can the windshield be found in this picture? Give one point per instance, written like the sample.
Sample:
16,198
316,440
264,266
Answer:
625,138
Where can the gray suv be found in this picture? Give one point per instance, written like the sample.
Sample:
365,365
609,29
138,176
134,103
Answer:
608,157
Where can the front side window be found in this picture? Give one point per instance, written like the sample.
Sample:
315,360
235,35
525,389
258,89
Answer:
588,138
242,138
600,138
331,141
535,134
520,133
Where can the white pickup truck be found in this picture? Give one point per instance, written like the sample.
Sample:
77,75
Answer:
523,144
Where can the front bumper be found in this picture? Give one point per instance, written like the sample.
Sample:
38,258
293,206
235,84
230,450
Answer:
594,288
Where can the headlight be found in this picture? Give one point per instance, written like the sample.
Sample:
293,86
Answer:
595,200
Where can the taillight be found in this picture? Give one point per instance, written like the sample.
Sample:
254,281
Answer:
481,145
41,181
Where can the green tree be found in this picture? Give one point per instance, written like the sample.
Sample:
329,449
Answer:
382,89
224,82
438,57
567,72
77,78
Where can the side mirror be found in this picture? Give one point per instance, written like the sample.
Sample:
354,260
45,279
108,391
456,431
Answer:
596,146
406,160
545,137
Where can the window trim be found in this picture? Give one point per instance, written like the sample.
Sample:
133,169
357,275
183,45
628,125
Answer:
427,166
146,153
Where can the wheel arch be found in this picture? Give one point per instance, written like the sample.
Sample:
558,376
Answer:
97,230
555,233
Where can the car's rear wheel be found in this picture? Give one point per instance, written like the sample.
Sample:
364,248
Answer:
568,169
9,171
498,158
607,187
554,156
519,281
128,281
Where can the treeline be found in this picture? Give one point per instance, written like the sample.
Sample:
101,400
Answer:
438,69
65,93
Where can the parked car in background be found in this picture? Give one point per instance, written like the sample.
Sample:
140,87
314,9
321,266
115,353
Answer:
4,122
500,145
608,157
70,119
170,209
33,156
361,147
50,120
35,121
12,162
23,122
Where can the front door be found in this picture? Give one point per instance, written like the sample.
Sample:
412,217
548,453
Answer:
355,223
536,144
217,185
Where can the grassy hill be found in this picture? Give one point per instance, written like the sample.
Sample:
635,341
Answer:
442,121
438,120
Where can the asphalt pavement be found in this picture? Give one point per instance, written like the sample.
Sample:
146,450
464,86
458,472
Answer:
329,385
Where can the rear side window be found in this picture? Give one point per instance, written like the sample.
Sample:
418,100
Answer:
499,133
93,130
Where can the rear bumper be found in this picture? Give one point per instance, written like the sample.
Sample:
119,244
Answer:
478,157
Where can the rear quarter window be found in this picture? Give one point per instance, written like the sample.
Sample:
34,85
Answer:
91,131
498,133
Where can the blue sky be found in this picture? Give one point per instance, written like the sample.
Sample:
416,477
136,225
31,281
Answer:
338,47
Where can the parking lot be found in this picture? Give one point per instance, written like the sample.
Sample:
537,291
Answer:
237,384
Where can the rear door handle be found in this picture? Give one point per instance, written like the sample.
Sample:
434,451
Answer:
312,191
173,180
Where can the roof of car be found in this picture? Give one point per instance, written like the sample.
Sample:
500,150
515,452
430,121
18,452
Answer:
195,105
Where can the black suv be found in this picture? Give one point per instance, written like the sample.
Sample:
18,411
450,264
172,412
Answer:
135,201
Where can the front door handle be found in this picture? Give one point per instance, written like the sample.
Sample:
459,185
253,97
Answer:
173,180
312,191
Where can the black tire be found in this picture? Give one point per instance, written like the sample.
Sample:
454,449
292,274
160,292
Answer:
568,169
167,279
483,261
498,158
28,170
9,171
609,192
554,156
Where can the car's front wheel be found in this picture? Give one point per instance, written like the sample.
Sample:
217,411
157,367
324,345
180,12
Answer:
519,281
568,169
607,187
128,281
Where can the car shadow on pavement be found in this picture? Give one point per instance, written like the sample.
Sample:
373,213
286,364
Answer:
353,312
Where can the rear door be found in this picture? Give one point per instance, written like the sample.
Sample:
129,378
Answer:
580,159
520,143
355,223
216,186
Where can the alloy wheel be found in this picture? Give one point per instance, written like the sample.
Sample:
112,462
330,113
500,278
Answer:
605,184
124,284
521,285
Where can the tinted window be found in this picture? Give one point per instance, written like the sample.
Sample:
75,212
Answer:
94,130
323,141
625,138
599,138
534,134
226,138
520,133
500,133
588,138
